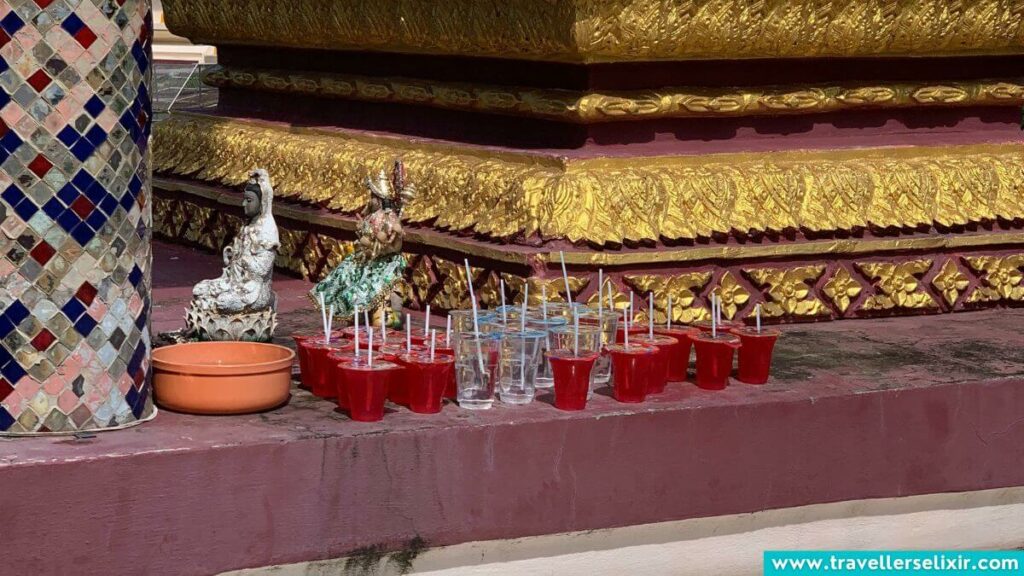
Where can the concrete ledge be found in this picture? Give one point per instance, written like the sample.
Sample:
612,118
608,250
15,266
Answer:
858,410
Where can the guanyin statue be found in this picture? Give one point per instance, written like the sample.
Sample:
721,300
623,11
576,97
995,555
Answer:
368,277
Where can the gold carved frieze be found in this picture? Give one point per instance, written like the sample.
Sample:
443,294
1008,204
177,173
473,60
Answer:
898,285
950,281
684,289
603,31
842,289
611,200
1001,278
616,106
790,291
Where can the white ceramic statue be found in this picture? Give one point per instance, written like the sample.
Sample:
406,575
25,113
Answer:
241,304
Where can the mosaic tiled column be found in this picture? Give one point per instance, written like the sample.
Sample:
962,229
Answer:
75,235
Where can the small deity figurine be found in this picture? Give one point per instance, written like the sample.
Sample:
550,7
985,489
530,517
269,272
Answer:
240,304
368,277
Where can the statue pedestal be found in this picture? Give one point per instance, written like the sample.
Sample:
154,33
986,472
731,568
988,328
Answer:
251,327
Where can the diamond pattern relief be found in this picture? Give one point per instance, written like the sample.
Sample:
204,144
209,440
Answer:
74,214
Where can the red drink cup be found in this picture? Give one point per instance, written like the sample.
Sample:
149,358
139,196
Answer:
320,368
679,355
338,375
398,389
302,351
630,372
663,347
426,380
451,390
620,333
755,357
367,389
572,378
723,326
714,359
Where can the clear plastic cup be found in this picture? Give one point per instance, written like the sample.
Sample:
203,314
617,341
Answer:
519,360
590,343
476,369
544,377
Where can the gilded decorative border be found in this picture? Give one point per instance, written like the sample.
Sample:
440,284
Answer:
611,201
602,30
816,287
619,106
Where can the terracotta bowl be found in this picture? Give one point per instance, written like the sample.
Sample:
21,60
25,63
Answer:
222,377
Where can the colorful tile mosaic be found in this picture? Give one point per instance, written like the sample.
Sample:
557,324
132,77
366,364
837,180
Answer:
75,212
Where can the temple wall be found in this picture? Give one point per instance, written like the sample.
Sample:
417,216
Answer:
75,235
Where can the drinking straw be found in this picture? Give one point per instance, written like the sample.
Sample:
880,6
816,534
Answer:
476,320
504,314
668,323
522,327
330,324
714,317
366,319
565,278
544,313
757,312
426,321
433,337
625,324
600,314
631,305
650,314
408,334
600,289
323,317
369,347
383,327
448,332
575,333
355,312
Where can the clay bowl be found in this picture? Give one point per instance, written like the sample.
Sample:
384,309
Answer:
222,377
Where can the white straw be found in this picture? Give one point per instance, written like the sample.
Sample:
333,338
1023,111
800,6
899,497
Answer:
369,347
476,320
757,312
631,305
544,301
355,313
323,316
625,329
330,324
504,313
383,327
650,313
426,321
600,289
669,322
565,277
448,332
433,337
575,334
714,317
366,320
408,334
526,297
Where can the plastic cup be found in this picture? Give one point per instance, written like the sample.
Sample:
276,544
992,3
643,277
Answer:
397,391
544,378
714,359
451,391
426,380
321,372
462,320
663,346
336,359
518,366
723,326
590,341
476,369
572,378
302,351
679,355
755,356
630,372
367,389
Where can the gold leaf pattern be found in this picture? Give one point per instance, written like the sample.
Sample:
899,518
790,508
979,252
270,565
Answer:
790,290
842,289
684,290
553,287
608,200
950,281
602,31
898,285
1002,277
